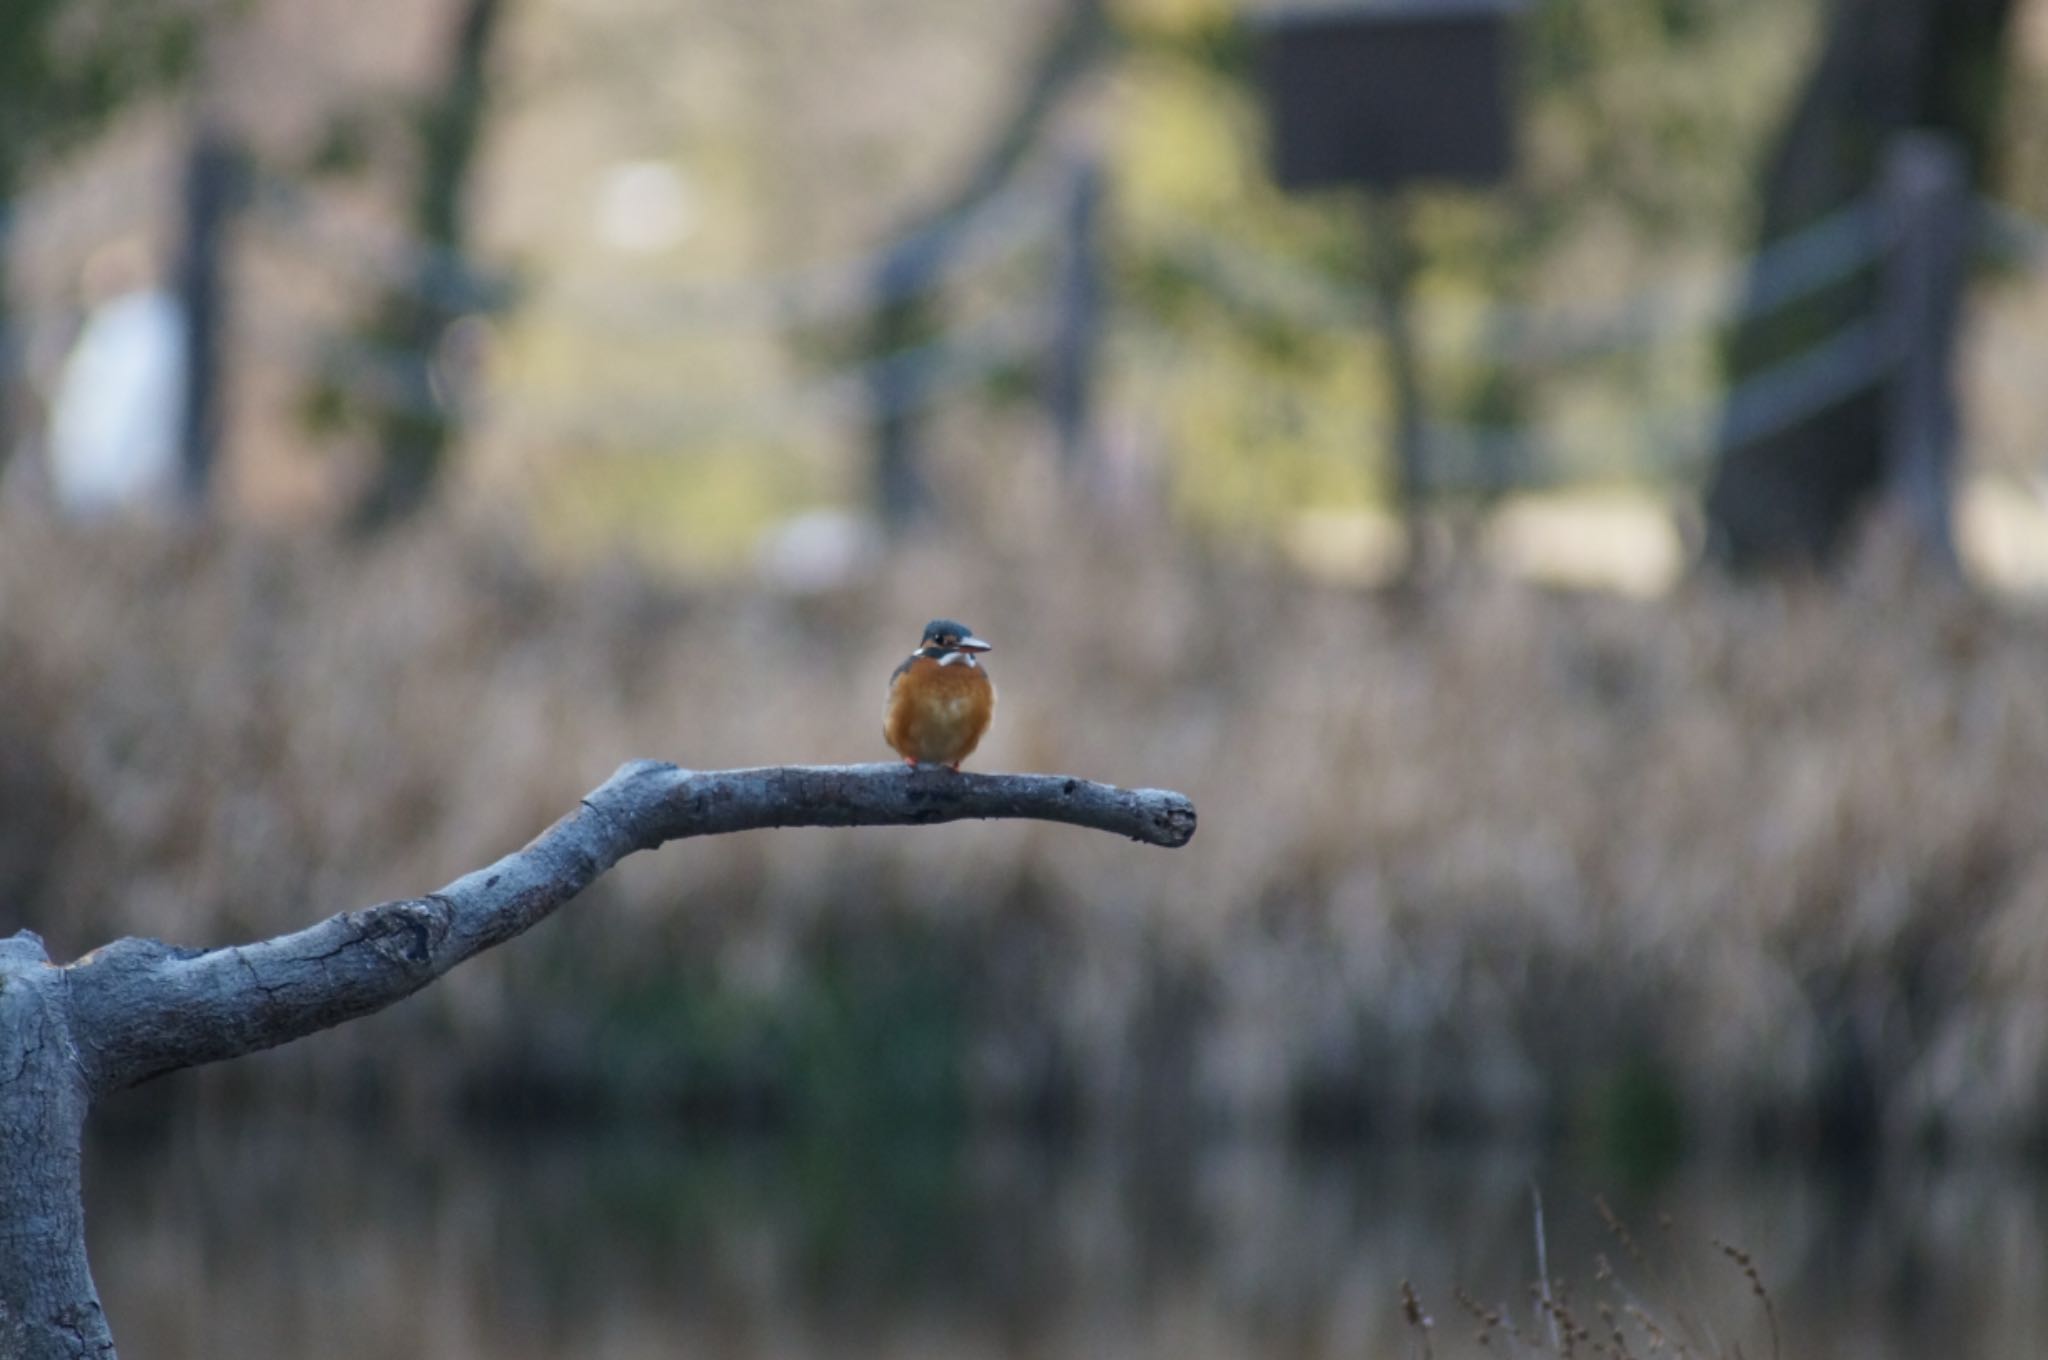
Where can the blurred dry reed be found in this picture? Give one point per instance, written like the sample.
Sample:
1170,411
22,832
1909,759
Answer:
1487,858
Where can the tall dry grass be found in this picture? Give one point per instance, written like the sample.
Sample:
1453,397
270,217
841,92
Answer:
1494,855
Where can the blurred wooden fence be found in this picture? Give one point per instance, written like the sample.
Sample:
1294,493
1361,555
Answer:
1917,229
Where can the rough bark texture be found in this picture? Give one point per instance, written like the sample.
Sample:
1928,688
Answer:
48,1306
1885,67
136,1009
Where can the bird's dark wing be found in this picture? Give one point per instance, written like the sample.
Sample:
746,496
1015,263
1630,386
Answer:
897,674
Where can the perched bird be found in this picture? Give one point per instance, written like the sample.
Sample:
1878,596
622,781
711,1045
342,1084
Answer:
940,699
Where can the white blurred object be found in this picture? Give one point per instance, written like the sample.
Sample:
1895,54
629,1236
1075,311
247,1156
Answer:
644,207
817,551
115,422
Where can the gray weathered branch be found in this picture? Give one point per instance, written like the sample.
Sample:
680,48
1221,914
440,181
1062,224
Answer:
136,1009
144,1008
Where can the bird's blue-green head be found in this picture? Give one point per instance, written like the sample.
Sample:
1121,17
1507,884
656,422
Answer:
947,636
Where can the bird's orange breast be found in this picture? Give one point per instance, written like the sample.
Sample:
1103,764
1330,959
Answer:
937,714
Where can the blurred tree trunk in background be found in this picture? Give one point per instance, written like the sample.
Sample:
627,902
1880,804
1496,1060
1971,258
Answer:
10,347
23,72
1884,66
413,433
906,316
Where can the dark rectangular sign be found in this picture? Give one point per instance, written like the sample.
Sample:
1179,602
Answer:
1379,95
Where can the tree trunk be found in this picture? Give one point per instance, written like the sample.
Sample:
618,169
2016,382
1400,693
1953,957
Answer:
212,175
1790,497
413,435
49,1309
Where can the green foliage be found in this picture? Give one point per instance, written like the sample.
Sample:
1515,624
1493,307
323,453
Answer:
1640,125
66,66
1655,109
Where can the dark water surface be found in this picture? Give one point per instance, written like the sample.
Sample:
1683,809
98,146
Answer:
285,1238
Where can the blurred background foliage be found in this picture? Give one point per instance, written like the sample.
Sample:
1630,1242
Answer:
598,253
554,336
701,143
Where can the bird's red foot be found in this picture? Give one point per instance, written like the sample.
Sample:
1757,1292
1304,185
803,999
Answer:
910,762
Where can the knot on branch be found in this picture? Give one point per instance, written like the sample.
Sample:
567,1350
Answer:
407,933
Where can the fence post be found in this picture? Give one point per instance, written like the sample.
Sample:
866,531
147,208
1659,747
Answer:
210,189
1077,326
1393,259
1925,196
902,322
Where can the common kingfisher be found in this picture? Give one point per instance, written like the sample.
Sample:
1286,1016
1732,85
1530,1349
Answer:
940,698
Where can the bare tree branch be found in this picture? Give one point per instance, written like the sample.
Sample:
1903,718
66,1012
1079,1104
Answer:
141,1008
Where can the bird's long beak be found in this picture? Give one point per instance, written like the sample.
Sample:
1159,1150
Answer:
971,643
